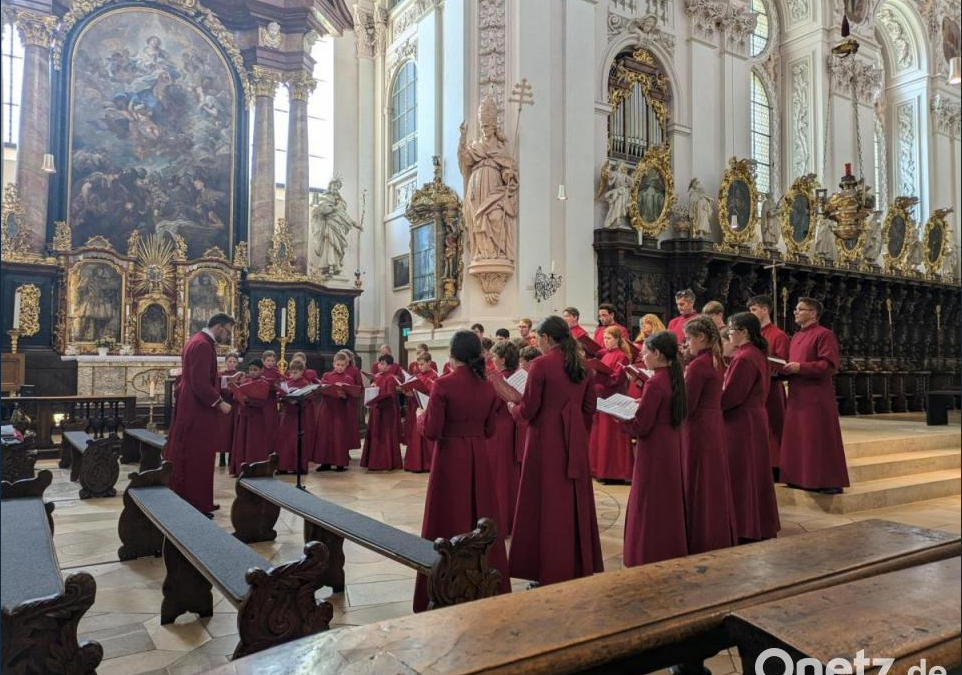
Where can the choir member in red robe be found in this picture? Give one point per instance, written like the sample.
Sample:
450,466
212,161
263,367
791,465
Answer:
395,368
228,422
606,318
609,447
778,346
648,326
503,448
526,356
655,517
272,416
524,330
336,419
572,316
812,457
357,405
382,447
746,430
460,416
200,409
685,302
309,373
287,432
555,534
253,442
709,508
419,451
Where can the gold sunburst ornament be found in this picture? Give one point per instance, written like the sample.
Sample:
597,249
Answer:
154,272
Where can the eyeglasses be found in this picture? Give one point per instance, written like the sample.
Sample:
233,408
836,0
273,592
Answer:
684,294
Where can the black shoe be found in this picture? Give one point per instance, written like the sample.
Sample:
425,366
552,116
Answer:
829,491
281,472
776,474
210,516
340,469
323,467
216,508
532,584
223,460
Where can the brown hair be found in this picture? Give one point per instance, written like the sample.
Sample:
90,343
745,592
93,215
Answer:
666,343
621,343
713,307
529,353
508,352
424,357
703,325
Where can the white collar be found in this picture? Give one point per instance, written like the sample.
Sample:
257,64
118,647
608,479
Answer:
209,333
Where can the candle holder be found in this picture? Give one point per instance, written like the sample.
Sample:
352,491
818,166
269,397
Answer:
151,384
545,285
14,337
282,361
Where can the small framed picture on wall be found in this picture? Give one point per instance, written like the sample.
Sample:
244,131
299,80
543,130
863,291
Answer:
401,269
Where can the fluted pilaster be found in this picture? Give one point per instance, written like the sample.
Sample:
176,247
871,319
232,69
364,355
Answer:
296,192
263,178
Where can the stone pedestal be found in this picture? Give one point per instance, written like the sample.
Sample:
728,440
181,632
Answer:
114,375
493,275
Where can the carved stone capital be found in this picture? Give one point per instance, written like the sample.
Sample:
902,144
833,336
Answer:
737,22
645,30
35,29
411,16
370,31
300,85
404,51
947,115
705,16
265,81
855,77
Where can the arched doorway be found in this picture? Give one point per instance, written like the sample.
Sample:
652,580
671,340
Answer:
404,324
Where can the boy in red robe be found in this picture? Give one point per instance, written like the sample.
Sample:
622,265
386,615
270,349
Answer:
337,418
417,456
274,376
287,433
382,447
572,315
778,347
229,420
252,440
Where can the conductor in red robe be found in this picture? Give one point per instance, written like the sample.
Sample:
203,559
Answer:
199,410
685,302
812,455
778,346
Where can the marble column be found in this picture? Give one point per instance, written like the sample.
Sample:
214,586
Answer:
36,32
296,193
263,177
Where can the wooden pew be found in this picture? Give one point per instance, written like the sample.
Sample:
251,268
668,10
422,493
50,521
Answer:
275,604
144,446
18,459
937,405
40,610
906,615
627,621
93,463
456,568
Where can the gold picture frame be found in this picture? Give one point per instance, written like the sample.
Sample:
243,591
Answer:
82,297
936,232
151,342
799,202
223,281
649,209
898,233
738,196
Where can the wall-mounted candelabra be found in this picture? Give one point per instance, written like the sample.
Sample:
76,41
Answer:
546,285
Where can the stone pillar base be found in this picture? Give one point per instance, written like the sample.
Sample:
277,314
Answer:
492,275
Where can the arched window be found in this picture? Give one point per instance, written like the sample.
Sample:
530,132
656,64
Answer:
637,90
404,124
762,32
761,130
12,82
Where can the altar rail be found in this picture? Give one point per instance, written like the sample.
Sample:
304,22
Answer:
103,414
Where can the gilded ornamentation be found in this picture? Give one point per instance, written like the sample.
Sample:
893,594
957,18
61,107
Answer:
29,310
240,255
14,237
62,241
266,320
153,267
270,35
799,215
291,331
98,241
340,324
242,329
265,80
214,252
652,192
937,240
300,85
738,199
847,210
898,232
35,29
154,324
280,258
180,248
133,243
313,321
647,84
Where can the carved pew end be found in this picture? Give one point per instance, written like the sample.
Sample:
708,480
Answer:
461,572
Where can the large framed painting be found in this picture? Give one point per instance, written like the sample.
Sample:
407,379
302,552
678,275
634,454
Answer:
424,284
652,192
934,243
898,233
738,203
209,291
799,213
96,298
401,271
152,130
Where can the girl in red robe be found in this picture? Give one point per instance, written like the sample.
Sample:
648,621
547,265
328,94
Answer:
655,517
357,405
336,419
555,535
287,433
417,456
252,440
609,448
382,447
460,416
526,356
709,509
746,430
503,449
230,419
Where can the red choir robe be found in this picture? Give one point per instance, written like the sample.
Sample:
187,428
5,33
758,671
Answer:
447,368
382,447
356,406
419,451
230,420
555,535
272,415
188,443
287,430
577,331
531,340
677,325
778,346
609,447
655,516
812,454
460,416
743,399
709,508
599,336
336,423
253,439
505,462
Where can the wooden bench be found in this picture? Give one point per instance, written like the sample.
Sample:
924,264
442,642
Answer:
274,603
456,568
93,463
18,459
627,621
907,615
937,406
144,446
40,610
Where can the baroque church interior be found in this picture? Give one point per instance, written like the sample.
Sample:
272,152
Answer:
480,336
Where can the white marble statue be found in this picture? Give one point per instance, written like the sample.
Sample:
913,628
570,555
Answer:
699,210
771,222
825,241
873,240
950,263
916,256
330,227
617,194
490,187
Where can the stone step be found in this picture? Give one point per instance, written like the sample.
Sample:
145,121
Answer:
900,444
879,493
861,469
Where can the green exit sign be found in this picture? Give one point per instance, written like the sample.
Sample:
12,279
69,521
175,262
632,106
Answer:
405,332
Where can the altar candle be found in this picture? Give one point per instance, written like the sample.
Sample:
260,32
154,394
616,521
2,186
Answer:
733,223
848,169
552,266
150,388
16,310
283,322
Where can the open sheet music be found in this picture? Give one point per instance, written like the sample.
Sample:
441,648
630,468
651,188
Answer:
518,380
619,406
370,393
298,392
423,400
777,361
407,377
